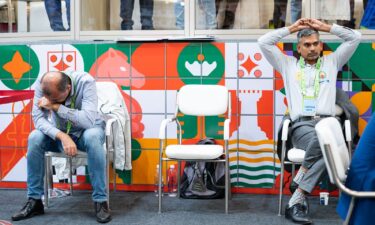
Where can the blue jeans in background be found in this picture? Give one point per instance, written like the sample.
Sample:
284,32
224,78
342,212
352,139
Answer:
126,13
53,8
91,141
208,7
295,9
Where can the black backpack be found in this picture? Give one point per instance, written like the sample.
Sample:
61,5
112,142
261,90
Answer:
203,180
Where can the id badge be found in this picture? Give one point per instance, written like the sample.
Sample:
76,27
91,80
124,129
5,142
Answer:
309,106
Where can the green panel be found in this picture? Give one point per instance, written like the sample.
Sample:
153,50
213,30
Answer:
88,53
19,66
212,126
212,55
188,56
189,124
362,63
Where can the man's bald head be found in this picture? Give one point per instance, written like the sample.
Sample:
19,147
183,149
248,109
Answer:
54,81
56,86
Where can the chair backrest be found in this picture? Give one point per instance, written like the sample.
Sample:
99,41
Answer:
203,100
330,133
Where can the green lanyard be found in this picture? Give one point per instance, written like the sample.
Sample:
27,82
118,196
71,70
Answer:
301,63
72,105
69,123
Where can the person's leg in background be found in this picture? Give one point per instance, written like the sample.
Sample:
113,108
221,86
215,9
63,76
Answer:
209,9
126,13
147,11
53,8
295,10
279,13
230,14
179,11
67,4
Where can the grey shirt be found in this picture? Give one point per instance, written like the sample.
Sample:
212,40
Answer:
330,65
84,115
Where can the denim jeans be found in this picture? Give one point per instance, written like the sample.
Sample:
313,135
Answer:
91,141
295,10
53,8
147,10
208,7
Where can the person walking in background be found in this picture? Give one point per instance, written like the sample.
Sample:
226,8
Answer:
147,11
54,12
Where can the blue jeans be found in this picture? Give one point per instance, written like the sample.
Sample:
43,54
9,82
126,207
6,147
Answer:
91,141
53,8
126,13
295,10
209,8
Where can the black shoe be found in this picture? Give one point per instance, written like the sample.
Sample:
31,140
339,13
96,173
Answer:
32,208
293,187
297,213
102,212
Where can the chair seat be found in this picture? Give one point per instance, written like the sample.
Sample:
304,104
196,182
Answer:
296,155
80,154
194,151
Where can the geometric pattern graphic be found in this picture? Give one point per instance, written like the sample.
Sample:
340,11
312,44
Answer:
149,75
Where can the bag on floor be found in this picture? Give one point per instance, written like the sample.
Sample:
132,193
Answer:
203,180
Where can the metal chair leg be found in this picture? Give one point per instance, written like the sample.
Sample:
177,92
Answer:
160,175
114,170
178,178
46,181
71,175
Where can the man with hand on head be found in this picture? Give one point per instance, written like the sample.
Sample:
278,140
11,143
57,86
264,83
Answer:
66,118
310,85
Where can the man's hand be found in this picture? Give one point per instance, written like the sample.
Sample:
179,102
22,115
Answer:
298,25
318,25
70,148
44,103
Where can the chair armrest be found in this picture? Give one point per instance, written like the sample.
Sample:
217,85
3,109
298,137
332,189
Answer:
163,125
108,126
284,135
226,129
348,130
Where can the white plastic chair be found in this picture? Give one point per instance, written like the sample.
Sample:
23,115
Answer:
110,120
296,156
197,100
337,159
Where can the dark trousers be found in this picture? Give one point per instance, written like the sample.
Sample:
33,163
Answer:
147,10
230,12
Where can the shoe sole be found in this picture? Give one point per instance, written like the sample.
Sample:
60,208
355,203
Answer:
29,216
104,221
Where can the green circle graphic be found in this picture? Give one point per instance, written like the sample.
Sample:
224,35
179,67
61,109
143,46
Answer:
28,56
193,53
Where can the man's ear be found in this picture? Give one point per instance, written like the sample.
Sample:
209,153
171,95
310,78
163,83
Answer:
299,48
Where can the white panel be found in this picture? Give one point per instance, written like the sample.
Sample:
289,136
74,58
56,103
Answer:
252,63
152,125
151,101
231,58
18,172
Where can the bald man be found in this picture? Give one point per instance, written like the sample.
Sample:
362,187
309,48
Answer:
66,118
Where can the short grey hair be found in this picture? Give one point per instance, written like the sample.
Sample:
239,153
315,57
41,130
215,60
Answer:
306,33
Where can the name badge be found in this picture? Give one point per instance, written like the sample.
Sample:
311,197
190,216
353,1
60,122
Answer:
309,106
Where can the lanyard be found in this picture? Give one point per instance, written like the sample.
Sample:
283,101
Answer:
301,63
72,105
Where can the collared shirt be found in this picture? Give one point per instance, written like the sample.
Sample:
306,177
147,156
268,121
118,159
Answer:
330,65
84,115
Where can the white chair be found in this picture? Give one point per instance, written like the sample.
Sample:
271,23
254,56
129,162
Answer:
110,121
337,159
296,156
197,100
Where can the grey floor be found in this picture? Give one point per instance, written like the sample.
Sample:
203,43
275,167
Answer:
141,208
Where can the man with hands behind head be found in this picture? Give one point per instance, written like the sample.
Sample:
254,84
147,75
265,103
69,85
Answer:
66,118
310,85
